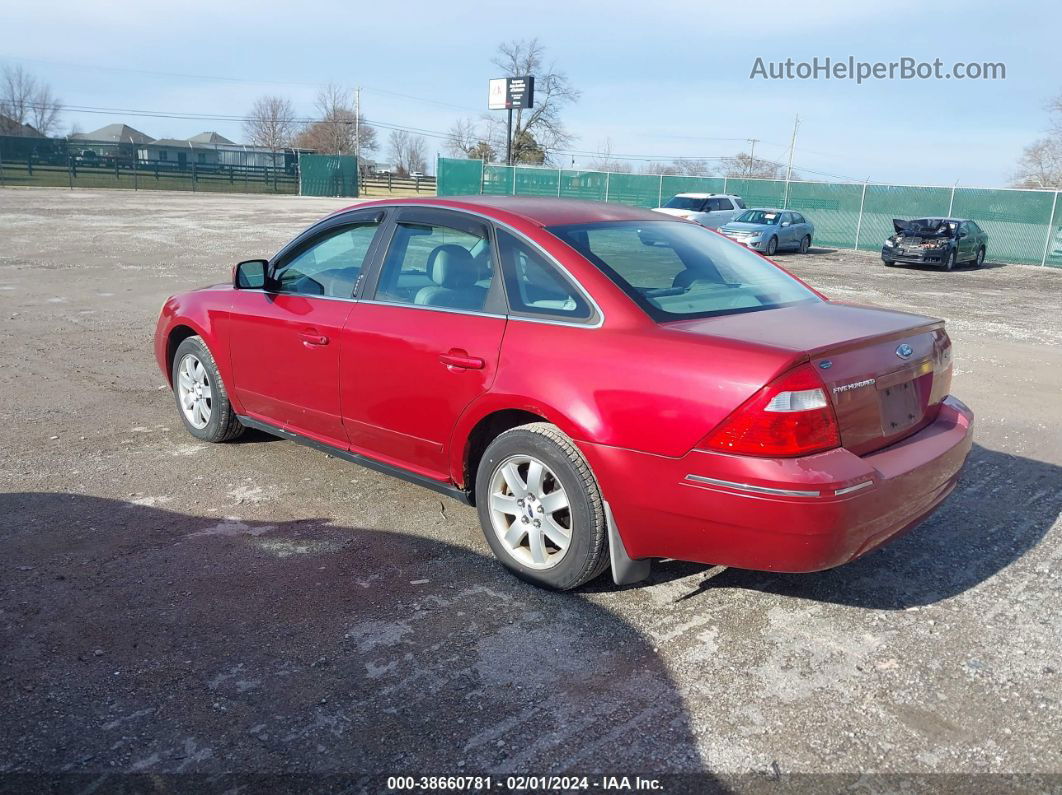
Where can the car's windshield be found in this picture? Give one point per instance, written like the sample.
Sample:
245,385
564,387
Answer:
678,270
767,217
685,203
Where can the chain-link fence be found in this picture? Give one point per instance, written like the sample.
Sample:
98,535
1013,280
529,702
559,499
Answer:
1024,226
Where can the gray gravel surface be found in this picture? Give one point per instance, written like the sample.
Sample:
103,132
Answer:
172,606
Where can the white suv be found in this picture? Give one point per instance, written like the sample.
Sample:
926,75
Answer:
708,209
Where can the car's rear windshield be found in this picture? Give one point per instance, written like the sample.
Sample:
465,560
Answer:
685,203
767,217
677,270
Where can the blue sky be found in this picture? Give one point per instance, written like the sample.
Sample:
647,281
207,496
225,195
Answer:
657,79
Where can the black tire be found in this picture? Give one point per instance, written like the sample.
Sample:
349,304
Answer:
223,425
980,260
772,247
949,263
805,244
587,555
889,262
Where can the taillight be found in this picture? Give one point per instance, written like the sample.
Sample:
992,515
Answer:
791,416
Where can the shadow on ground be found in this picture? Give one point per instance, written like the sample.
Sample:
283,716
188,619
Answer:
141,639
1002,508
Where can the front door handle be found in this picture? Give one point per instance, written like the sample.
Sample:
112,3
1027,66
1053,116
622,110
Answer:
312,337
460,359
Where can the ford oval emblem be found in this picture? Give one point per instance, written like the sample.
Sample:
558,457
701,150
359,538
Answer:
904,351
825,364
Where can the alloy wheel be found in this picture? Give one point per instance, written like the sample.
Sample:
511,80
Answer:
530,512
194,391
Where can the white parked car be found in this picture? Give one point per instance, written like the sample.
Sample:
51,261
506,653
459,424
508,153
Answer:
708,209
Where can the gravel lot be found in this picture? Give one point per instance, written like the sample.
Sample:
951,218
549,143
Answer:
170,606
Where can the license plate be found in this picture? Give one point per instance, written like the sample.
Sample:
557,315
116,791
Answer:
900,407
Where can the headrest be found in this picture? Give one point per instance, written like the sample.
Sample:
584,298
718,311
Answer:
452,267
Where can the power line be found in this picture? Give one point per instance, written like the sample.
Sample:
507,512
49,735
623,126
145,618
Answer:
384,125
229,79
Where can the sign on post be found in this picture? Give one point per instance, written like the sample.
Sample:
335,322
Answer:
506,93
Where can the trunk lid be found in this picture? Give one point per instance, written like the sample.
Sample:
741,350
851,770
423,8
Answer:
885,372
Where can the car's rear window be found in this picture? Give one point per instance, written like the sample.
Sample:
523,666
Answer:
677,270
685,203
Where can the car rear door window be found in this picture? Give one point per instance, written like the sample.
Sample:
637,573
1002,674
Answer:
535,286
330,265
434,265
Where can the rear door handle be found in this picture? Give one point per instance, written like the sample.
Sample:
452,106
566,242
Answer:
313,338
461,360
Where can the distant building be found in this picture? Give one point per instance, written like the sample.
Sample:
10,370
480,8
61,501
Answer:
209,149
9,126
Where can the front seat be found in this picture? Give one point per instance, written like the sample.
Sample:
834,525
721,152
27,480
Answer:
454,273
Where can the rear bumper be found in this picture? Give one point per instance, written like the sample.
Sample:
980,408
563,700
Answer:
791,515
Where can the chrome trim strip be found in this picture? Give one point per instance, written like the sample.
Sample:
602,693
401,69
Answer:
751,488
856,487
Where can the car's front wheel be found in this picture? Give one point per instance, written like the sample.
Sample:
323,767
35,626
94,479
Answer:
772,247
805,244
540,507
949,263
202,400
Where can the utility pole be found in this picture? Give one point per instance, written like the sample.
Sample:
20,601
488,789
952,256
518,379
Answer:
752,154
357,124
789,167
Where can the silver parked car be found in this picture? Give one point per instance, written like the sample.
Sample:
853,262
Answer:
708,209
769,230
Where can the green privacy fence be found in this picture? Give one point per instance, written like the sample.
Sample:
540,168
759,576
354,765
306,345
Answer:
1024,226
328,175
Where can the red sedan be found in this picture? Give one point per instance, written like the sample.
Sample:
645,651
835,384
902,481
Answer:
605,384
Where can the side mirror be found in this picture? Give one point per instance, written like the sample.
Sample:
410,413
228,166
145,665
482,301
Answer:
785,223
250,275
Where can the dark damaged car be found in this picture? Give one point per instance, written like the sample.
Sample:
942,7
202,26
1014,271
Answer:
944,242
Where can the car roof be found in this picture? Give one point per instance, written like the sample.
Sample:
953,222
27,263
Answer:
539,210
706,195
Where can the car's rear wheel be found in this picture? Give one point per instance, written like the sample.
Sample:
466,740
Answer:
805,244
980,257
540,507
949,262
202,400
772,247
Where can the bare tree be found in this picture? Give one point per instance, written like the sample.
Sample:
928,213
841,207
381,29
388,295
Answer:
338,131
604,160
1040,164
26,101
693,167
744,165
553,91
271,123
658,167
461,138
408,151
